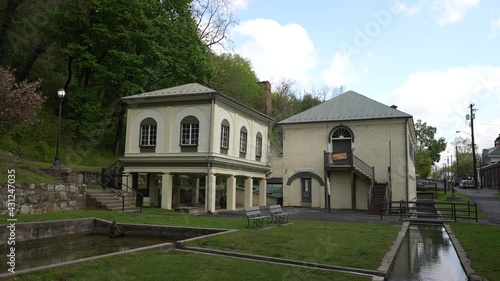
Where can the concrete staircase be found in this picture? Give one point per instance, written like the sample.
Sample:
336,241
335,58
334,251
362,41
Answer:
108,200
378,194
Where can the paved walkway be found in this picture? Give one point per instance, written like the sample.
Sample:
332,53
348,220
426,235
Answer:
486,202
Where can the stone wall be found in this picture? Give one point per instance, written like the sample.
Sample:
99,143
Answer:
37,198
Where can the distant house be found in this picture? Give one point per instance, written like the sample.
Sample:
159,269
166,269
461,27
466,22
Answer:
184,141
350,152
490,166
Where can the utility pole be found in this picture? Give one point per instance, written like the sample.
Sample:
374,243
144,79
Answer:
472,116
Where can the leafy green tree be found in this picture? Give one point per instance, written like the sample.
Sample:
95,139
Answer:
424,162
426,139
235,77
463,157
428,149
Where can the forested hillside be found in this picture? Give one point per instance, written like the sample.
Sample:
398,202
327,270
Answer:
102,50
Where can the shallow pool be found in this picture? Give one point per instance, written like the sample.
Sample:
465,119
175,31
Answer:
30,254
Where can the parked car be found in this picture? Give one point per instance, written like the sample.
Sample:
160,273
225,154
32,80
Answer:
466,184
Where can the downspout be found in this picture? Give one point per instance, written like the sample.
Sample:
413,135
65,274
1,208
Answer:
207,181
406,157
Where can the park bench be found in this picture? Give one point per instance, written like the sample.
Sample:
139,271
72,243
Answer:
277,216
253,214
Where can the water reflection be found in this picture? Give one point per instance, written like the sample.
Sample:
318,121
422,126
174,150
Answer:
427,253
39,253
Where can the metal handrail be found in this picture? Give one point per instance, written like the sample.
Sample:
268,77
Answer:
363,166
426,209
121,184
105,186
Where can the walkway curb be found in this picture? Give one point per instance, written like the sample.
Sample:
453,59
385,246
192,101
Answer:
359,271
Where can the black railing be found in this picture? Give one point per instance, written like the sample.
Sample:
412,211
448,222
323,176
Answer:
105,186
429,210
113,176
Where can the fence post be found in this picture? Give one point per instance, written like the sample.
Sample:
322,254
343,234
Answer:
401,209
475,206
454,210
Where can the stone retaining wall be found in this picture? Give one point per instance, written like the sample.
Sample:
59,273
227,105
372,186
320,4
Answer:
37,198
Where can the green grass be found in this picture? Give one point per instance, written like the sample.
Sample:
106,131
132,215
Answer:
23,173
360,245
482,244
175,265
497,195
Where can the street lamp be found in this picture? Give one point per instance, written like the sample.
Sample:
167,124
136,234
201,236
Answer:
60,94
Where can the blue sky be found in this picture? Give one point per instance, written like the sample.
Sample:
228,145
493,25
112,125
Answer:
431,58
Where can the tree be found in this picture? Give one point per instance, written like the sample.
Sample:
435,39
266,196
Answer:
213,19
464,157
426,139
235,77
428,149
19,102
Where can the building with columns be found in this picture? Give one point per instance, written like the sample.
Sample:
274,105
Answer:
191,144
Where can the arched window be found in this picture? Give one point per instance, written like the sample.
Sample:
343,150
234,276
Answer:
148,133
341,133
224,134
258,146
243,140
190,129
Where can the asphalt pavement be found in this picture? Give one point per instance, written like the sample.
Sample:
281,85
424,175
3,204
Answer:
486,201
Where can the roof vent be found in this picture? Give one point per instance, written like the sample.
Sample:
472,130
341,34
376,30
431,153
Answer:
394,106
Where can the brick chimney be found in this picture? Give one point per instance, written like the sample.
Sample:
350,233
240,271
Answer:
267,98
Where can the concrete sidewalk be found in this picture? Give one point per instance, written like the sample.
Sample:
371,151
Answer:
316,214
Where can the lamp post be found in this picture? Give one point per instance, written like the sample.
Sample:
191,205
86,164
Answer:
60,94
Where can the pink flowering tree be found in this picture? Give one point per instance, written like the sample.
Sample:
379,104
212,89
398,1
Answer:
19,102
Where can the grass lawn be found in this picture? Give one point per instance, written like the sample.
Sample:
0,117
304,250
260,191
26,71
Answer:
175,265
360,245
497,195
482,244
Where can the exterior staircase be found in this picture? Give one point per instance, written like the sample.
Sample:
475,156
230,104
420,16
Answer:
109,200
378,194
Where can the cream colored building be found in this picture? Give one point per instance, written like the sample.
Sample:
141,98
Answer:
190,134
350,152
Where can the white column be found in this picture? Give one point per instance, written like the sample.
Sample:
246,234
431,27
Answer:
262,192
211,192
166,191
196,186
248,192
231,192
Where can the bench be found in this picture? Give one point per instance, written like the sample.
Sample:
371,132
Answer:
277,216
253,214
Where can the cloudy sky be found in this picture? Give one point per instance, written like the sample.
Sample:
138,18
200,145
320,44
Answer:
431,58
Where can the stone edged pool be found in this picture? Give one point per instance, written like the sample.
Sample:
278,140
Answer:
48,244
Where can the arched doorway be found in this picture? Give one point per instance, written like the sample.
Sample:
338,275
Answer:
341,139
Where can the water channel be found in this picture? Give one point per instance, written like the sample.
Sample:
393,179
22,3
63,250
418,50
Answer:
426,254
32,254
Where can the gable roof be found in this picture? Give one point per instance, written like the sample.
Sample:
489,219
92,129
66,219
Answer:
186,89
347,106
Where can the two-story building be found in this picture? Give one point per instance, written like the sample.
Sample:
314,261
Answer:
350,152
490,166
196,133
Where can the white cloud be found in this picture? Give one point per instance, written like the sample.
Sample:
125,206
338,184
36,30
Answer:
441,98
342,71
277,51
452,11
402,7
494,28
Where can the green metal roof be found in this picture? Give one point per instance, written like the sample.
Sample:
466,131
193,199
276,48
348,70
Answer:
347,106
186,89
